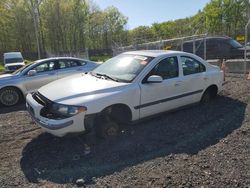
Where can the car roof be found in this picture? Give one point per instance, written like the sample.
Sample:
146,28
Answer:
154,53
210,38
58,58
12,54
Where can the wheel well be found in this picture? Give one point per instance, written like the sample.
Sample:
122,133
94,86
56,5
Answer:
120,113
18,89
213,89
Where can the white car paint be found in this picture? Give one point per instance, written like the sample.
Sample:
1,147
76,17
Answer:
143,99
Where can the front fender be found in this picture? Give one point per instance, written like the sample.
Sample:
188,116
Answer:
129,97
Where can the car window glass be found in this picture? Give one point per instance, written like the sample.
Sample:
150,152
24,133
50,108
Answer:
73,64
167,68
81,63
47,66
68,64
191,66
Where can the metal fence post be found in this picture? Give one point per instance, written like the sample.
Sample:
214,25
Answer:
205,48
182,41
245,51
193,46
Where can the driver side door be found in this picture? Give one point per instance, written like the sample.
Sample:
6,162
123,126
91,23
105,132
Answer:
160,97
46,72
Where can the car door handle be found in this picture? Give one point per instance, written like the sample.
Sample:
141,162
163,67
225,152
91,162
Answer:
205,78
178,83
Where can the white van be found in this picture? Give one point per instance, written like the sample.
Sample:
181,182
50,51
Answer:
13,61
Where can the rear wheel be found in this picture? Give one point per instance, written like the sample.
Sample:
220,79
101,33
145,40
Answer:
10,96
206,97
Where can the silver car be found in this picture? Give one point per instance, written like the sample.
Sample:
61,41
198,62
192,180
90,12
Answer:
13,87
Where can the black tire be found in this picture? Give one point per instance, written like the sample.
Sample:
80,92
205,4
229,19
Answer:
206,97
10,96
107,129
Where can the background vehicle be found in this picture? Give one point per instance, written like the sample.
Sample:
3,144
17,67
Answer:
31,77
13,61
216,48
126,88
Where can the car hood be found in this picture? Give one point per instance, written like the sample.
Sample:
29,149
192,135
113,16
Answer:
79,89
13,64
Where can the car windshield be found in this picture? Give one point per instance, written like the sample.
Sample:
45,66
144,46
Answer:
235,44
23,69
13,60
122,68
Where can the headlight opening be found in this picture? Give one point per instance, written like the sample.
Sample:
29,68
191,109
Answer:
61,111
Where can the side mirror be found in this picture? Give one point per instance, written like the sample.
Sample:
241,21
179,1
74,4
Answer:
32,72
154,79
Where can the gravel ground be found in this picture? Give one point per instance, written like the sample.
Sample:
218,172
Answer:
201,146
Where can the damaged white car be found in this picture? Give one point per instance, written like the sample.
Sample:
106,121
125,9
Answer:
126,88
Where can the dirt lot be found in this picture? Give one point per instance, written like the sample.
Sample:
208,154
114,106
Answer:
203,146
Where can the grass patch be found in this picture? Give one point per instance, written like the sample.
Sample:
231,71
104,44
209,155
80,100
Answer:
27,61
99,58
1,67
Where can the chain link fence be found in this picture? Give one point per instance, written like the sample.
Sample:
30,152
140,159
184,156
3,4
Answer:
213,49
169,44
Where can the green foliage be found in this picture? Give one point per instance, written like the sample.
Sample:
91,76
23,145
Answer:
61,25
137,37
219,17
227,16
27,62
75,25
1,67
99,58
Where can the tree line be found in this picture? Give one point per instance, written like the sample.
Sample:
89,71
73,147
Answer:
76,25
58,25
218,17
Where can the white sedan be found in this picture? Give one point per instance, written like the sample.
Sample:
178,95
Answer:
126,88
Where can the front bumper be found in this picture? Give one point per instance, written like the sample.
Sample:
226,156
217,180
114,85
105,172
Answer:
58,128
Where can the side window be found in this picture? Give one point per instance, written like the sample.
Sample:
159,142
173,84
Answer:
166,68
74,63
47,66
82,63
62,64
68,64
191,66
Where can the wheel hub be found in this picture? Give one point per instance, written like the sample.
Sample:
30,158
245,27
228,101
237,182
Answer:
9,97
111,131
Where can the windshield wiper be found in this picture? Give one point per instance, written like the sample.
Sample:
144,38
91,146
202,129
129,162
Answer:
99,75
107,77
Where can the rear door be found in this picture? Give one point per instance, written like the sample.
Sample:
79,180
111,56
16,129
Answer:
45,73
195,78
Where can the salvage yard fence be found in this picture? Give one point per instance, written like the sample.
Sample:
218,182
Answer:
241,66
174,44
